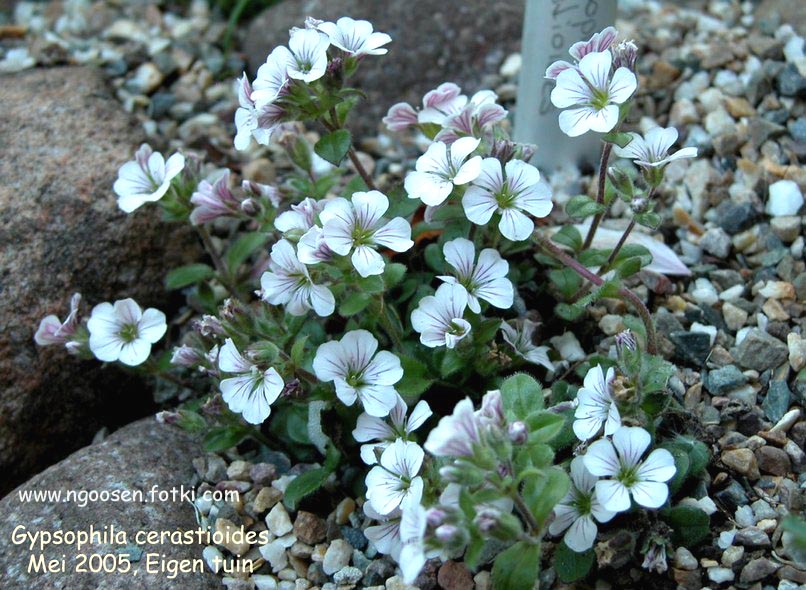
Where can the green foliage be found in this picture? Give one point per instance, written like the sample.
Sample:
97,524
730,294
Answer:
334,146
569,236
583,206
416,379
570,565
517,568
224,437
618,138
243,247
310,481
690,525
542,492
521,395
189,274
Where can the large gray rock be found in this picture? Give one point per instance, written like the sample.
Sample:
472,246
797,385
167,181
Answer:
63,137
135,458
432,42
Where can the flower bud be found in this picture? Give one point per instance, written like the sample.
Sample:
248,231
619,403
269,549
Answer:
186,356
435,517
446,533
293,389
250,207
625,341
209,326
518,434
625,54
167,417
639,204
487,520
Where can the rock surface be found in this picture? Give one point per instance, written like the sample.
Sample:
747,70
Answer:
457,42
136,457
64,136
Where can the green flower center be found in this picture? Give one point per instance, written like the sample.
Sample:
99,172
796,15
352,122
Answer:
129,333
355,378
628,476
600,99
456,329
505,197
362,236
583,503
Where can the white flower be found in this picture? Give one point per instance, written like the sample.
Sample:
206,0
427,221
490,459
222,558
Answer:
456,434
146,179
255,121
400,116
476,117
384,536
596,407
272,78
598,42
395,479
441,168
251,392
371,428
359,373
650,152
486,280
289,283
439,318
441,103
355,37
520,191
213,200
412,539
621,460
312,249
302,216
593,94
357,226
53,331
123,332
308,54
578,509
521,340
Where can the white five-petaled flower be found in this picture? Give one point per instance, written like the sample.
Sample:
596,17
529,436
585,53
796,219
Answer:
441,168
272,78
596,407
650,151
412,539
355,37
146,179
520,191
593,94
124,332
439,318
308,54
251,391
360,372
384,536
601,41
620,460
252,120
441,103
456,434
54,331
485,280
383,432
395,478
521,339
357,226
213,200
312,248
578,509
289,283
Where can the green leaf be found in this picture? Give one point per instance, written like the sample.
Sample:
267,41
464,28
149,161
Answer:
795,538
583,206
298,350
223,438
372,284
619,138
593,257
627,268
544,426
243,248
542,493
690,525
517,568
416,379
654,403
521,395
300,154
451,363
682,466
355,303
191,421
570,565
569,236
569,311
393,273
188,275
566,280
334,146
310,481
699,457
655,373
648,219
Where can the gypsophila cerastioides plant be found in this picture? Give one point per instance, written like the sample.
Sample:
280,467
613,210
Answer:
396,325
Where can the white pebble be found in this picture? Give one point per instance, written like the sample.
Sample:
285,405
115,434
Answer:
785,198
703,329
704,292
568,346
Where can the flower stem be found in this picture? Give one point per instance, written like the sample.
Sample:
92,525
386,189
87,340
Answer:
526,514
597,219
636,302
221,269
334,125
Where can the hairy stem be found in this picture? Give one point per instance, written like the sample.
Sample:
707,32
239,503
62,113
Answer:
221,269
597,219
624,292
334,125
526,514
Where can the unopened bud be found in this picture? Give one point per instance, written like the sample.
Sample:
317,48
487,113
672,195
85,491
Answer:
518,434
626,341
639,204
293,389
209,326
213,407
446,533
435,517
625,54
250,207
186,356
487,520
168,417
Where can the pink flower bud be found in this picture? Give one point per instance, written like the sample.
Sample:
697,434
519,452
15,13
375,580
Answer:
518,433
